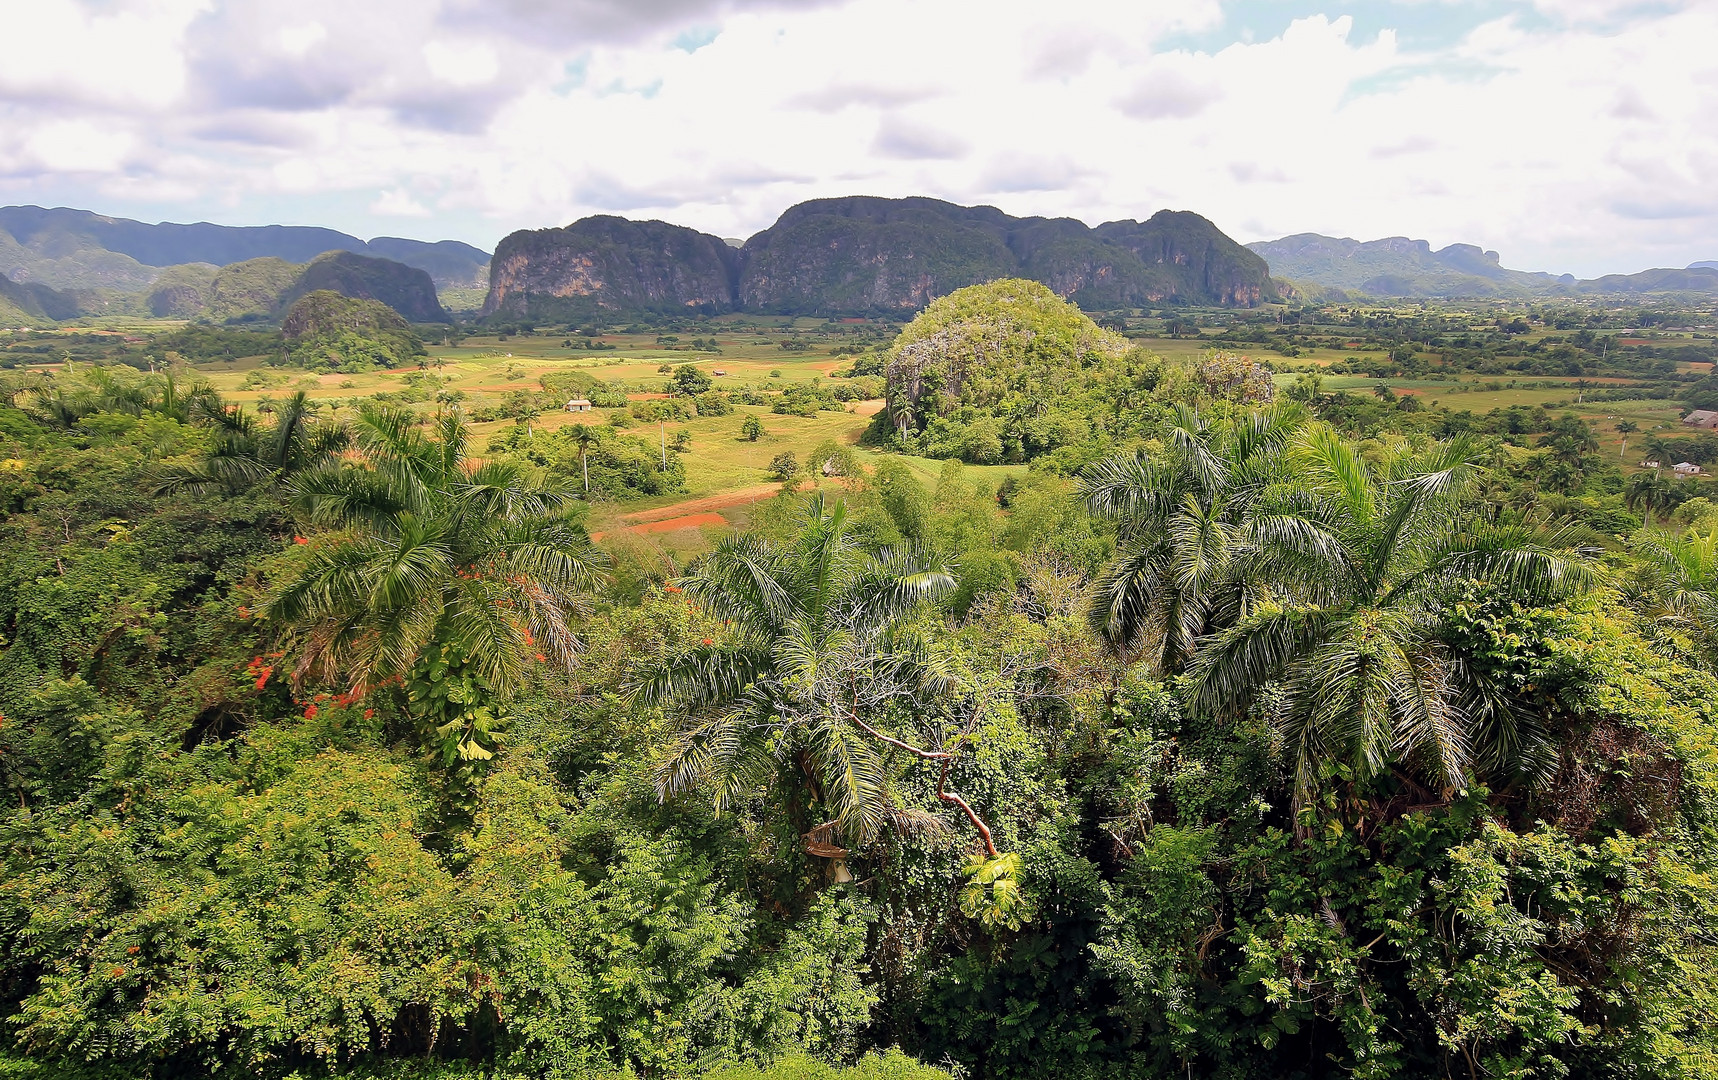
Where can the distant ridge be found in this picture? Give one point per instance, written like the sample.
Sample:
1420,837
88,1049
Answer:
79,249
1400,267
1397,266
863,255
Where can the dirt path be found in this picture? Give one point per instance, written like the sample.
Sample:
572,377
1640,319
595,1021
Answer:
690,513
722,501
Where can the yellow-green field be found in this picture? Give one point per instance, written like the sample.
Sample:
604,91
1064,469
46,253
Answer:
725,474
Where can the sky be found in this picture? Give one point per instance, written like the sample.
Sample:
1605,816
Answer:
1570,135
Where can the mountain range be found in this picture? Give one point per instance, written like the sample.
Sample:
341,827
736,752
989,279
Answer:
857,255
867,256
76,249
1399,267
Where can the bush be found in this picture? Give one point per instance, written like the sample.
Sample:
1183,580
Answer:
690,380
713,403
656,410
784,466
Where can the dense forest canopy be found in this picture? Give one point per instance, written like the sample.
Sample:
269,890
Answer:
1246,728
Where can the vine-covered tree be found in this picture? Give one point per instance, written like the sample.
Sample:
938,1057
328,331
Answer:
821,651
453,577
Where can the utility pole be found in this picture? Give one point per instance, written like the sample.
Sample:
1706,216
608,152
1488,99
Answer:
662,427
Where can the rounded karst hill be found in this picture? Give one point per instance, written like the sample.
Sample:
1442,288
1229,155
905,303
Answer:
1009,346
325,313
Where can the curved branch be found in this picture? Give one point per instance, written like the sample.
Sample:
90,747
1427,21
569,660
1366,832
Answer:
947,759
950,797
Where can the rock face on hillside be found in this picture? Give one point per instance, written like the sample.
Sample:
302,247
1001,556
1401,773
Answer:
407,290
865,255
857,255
869,256
607,263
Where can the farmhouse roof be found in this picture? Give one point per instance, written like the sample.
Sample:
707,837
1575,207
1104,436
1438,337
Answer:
1702,418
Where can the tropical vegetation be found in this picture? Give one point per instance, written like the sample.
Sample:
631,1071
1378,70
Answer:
1222,735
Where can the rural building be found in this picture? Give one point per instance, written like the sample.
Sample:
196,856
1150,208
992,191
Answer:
1685,468
578,405
1701,418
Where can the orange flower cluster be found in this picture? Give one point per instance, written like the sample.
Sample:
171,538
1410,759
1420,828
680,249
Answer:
260,671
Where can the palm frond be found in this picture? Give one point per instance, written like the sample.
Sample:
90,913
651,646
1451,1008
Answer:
1236,663
703,677
742,580
1334,466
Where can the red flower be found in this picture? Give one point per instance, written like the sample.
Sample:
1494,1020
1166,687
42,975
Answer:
707,641
369,714
310,712
300,540
263,675
117,972
541,659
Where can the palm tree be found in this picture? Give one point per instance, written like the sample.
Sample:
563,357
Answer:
584,437
1355,563
1679,576
1178,519
820,652
450,576
247,454
1657,448
66,401
1625,428
1650,492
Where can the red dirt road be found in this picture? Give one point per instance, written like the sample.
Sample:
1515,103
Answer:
692,513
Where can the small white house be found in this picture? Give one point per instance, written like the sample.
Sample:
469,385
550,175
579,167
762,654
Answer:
1685,468
578,405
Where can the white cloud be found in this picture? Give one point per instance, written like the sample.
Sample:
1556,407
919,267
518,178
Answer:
122,56
396,202
296,41
462,64
1576,137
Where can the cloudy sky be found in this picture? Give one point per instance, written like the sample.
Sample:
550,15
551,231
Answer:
1571,135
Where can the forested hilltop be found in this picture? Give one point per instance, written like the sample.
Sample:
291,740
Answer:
1108,709
863,255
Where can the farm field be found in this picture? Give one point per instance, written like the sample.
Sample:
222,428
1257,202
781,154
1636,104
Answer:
726,475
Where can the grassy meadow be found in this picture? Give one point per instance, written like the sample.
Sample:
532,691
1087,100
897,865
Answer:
726,475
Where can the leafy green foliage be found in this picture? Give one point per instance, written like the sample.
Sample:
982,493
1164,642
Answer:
326,331
453,576
217,858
